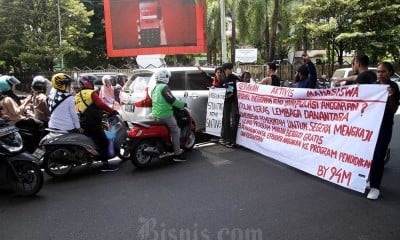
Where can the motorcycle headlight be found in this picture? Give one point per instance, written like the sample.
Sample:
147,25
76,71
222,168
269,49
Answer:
12,142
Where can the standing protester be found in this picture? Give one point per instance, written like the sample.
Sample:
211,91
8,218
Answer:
162,109
246,77
230,119
364,76
91,107
272,78
214,80
301,78
312,71
385,71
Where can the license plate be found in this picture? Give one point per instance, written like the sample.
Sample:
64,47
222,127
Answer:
129,107
38,153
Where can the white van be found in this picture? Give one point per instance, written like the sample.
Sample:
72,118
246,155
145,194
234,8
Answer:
186,83
343,73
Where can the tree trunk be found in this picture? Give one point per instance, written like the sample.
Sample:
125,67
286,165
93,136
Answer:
266,32
275,17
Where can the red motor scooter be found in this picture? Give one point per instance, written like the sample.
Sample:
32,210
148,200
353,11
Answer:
149,140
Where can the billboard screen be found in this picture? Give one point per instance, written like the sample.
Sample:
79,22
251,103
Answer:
141,27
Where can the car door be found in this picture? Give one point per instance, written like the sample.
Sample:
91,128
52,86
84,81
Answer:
197,96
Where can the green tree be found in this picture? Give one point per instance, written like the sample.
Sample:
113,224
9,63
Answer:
31,37
369,27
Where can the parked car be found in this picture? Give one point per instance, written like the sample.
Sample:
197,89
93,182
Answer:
345,72
342,73
186,83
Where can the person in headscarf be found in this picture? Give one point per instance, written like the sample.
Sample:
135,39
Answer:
107,91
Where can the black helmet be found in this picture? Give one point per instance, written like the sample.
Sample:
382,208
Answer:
87,81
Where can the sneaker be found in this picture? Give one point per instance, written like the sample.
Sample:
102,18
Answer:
214,140
373,194
179,158
108,167
387,156
229,145
221,141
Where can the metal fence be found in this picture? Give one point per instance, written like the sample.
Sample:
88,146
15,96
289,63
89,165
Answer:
285,72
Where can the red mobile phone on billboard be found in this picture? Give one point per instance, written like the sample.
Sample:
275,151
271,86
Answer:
149,23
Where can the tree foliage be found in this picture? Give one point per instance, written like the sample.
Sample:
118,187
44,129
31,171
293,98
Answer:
369,27
31,33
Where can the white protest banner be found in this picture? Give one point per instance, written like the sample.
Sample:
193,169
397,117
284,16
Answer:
329,133
215,107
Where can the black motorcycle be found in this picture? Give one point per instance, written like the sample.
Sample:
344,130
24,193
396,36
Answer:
18,168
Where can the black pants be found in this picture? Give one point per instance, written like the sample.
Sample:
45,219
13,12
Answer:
378,161
99,137
230,121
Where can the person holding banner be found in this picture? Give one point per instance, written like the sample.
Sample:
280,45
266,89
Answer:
301,77
312,83
272,78
230,119
384,72
246,77
216,79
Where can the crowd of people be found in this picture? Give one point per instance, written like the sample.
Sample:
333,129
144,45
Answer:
306,77
81,110
77,110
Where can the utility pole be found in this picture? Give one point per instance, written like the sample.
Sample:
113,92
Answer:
59,32
223,31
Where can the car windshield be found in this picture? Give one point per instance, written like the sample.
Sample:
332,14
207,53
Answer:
139,84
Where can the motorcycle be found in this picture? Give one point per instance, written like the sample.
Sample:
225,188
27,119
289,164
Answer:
18,168
31,133
63,151
149,140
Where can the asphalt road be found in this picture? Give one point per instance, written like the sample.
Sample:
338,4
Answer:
218,194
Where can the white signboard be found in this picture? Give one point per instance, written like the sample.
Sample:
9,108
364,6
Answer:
329,133
215,107
246,55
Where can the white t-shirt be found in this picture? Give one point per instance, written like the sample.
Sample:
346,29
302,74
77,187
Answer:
64,116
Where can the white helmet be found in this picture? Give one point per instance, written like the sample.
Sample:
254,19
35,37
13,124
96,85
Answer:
163,75
106,78
39,79
39,83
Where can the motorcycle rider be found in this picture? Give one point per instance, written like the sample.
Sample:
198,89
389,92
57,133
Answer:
12,106
63,115
91,107
39,99
162,109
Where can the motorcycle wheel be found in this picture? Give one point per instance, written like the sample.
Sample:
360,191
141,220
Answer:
123,153
138,157
57,162
29,179
190,141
